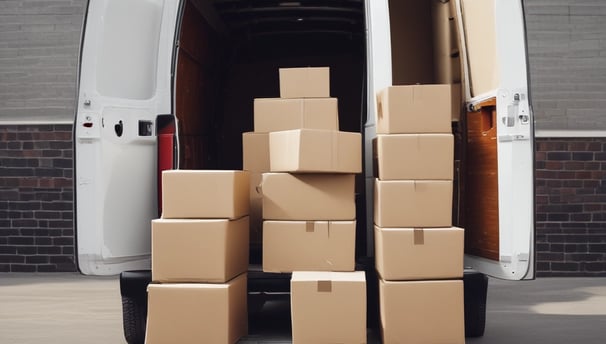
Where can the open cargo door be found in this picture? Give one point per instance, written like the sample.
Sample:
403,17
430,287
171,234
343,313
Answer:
497,206
495,201
125,83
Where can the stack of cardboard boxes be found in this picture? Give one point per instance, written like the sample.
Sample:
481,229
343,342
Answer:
200,258
308,205
419,255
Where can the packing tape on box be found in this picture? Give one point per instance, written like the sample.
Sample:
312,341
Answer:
324,286
309,226
419,236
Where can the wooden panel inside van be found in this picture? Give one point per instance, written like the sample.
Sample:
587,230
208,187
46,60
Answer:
481,194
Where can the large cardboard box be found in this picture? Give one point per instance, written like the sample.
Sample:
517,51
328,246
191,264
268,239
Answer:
328,307
309,246
309,150
414,109
307,82
419,253
413,203
197,313
414,156
276,114
187,250
255,152
204,194
422,312
308,197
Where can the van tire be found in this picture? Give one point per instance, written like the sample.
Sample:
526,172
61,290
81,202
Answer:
134,314
475,286
133,289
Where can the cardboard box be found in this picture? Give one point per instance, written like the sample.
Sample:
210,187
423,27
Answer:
328,307
202,194
414,156
197,313
419,253
309,246
255,152
308,82
211,251
277,114
414,109
309,150
422,312
413,203
308,197
256,209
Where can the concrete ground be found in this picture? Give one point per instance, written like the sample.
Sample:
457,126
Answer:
71,308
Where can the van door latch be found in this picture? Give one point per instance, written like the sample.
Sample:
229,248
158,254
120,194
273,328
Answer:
512,111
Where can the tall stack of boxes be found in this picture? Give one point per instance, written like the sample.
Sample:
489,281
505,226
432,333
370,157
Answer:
308,205
419,255
200,258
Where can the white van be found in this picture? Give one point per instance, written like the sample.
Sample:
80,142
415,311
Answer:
170,84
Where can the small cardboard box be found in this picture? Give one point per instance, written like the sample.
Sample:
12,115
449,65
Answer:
328,307
309,246
207,250
308,197
307,82
197,313
414,109
256,209
309,150
414,156
413,203
277,114
203,194
422,312
419,253
255,152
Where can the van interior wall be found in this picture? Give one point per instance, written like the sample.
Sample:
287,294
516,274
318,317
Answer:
412,57
219,76
198,81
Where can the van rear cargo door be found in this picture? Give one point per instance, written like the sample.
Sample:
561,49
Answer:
498,195
124,84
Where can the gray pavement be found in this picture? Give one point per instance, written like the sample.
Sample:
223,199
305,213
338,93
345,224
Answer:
71,308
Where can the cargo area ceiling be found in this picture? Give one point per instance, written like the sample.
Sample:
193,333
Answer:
255,19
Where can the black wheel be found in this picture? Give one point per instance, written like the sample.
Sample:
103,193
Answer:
476,287
133,289
134,318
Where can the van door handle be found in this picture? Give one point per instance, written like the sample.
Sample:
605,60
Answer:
512,111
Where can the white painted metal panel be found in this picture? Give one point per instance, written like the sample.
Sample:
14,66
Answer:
515,135
125,79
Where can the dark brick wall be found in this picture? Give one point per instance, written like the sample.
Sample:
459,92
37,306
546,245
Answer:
36,198
571,207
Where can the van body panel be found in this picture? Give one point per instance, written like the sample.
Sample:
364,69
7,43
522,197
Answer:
504,83
125,82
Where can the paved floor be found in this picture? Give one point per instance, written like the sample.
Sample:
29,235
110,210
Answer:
70,308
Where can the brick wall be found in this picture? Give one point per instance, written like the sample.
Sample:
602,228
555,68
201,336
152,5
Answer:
567,60
36,198
571,207
39,43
